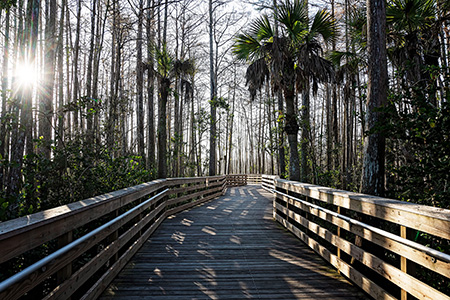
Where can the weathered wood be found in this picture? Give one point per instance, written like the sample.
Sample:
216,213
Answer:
96,290
63,220
42,227
358,278
236,179
396,276
418,257
64,290
428,219
228,248
18,289
402,213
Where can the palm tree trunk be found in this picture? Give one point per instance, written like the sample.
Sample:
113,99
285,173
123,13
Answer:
291,129
162,128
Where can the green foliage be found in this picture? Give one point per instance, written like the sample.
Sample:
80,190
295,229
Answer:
7,4
418,160
76,171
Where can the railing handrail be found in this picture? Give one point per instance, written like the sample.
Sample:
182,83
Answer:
23,234
405,213
430,251
41,263
320,227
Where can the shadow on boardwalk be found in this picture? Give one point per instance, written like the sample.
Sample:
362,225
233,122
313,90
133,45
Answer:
229,248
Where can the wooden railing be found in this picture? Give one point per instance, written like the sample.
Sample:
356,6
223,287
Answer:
254,178
77,249
243,179
236,179
268,182
382,245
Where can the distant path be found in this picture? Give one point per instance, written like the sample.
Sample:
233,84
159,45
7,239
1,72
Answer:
229,248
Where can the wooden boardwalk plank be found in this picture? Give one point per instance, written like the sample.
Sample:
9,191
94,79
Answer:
229,248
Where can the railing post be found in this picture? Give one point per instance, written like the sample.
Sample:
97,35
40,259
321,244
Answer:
64,273
406,265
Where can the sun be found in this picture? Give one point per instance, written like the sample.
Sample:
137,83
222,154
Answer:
26,74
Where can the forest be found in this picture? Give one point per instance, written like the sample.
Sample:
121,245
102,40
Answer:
101,95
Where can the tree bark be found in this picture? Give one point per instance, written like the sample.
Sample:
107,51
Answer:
374,143
162,127
305,135
291,129
3,121
140,84
46,104
213,129
90,99
75,68
151,163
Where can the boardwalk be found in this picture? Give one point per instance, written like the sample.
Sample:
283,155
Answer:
229,248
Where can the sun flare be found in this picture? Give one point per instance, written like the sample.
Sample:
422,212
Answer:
26,74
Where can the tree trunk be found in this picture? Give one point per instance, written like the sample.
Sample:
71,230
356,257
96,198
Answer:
46,104
150,87
75,68
305,135
291,129
374,143
162,127
112,104
60,50
212,132
90,99
140,85
3,121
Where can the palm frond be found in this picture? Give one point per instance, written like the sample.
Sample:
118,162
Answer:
164,61
261,28
256,76
324,25
293,15
247,47
410,15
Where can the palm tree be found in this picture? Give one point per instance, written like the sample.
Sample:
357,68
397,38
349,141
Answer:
167,69
291,61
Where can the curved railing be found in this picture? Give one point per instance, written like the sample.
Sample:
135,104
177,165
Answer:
382,245
80,247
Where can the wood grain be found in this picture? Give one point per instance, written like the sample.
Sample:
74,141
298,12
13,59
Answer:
228,248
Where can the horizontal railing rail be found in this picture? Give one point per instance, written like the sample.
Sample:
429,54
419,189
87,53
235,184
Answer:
268,182
254,178
236,179
373,241
79,248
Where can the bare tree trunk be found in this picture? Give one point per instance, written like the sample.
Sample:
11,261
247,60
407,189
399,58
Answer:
374,143
112,103
60,50
75,67
3,121
24,135
305,135
150,87
213,130
90,99
140,84
46,104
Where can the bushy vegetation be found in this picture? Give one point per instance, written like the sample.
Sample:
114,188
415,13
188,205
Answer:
76,172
